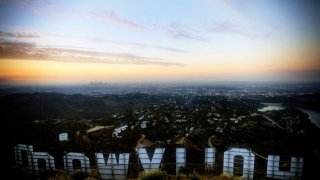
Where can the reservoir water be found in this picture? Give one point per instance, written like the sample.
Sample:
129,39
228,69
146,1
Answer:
271,106
314,116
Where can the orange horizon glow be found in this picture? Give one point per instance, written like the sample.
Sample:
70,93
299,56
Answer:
44,72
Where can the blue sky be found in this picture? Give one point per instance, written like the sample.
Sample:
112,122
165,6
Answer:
141,40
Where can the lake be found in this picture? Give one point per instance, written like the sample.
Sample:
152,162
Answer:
271,106
314,116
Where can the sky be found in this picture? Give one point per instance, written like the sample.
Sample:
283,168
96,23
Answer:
77,42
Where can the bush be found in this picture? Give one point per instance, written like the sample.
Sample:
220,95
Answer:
194,176
60,177
185,170
79,175
224,177
153,175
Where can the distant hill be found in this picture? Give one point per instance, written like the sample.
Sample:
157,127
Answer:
44,106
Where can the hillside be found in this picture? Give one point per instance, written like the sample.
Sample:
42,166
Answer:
194,122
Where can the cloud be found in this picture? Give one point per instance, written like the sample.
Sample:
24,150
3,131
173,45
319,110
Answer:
112,17
183,35
259,31
3,1
169,49
24,3
237,6
27,39
183,32
227,27
241,7
31,51
38,7
137,45
19,35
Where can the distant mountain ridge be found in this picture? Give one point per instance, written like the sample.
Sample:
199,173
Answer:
38,106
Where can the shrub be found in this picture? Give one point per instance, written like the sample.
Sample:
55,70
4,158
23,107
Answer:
60,177
79,175
153,175
194,176
224,177
185,170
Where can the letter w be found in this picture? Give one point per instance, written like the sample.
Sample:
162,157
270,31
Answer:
115,168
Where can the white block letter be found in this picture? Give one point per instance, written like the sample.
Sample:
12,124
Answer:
274,172
248,162
155,161
68,159
44,156
115,169
180,158
18,153
210,157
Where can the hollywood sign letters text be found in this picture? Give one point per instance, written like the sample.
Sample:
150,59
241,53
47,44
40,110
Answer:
116,166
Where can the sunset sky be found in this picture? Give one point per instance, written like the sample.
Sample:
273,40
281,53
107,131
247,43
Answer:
64,41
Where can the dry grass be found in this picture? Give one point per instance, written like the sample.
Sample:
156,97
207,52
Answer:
153,175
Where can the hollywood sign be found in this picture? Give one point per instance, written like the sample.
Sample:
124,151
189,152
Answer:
116,166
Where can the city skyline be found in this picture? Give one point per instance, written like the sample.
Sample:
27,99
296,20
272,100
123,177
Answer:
59,42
